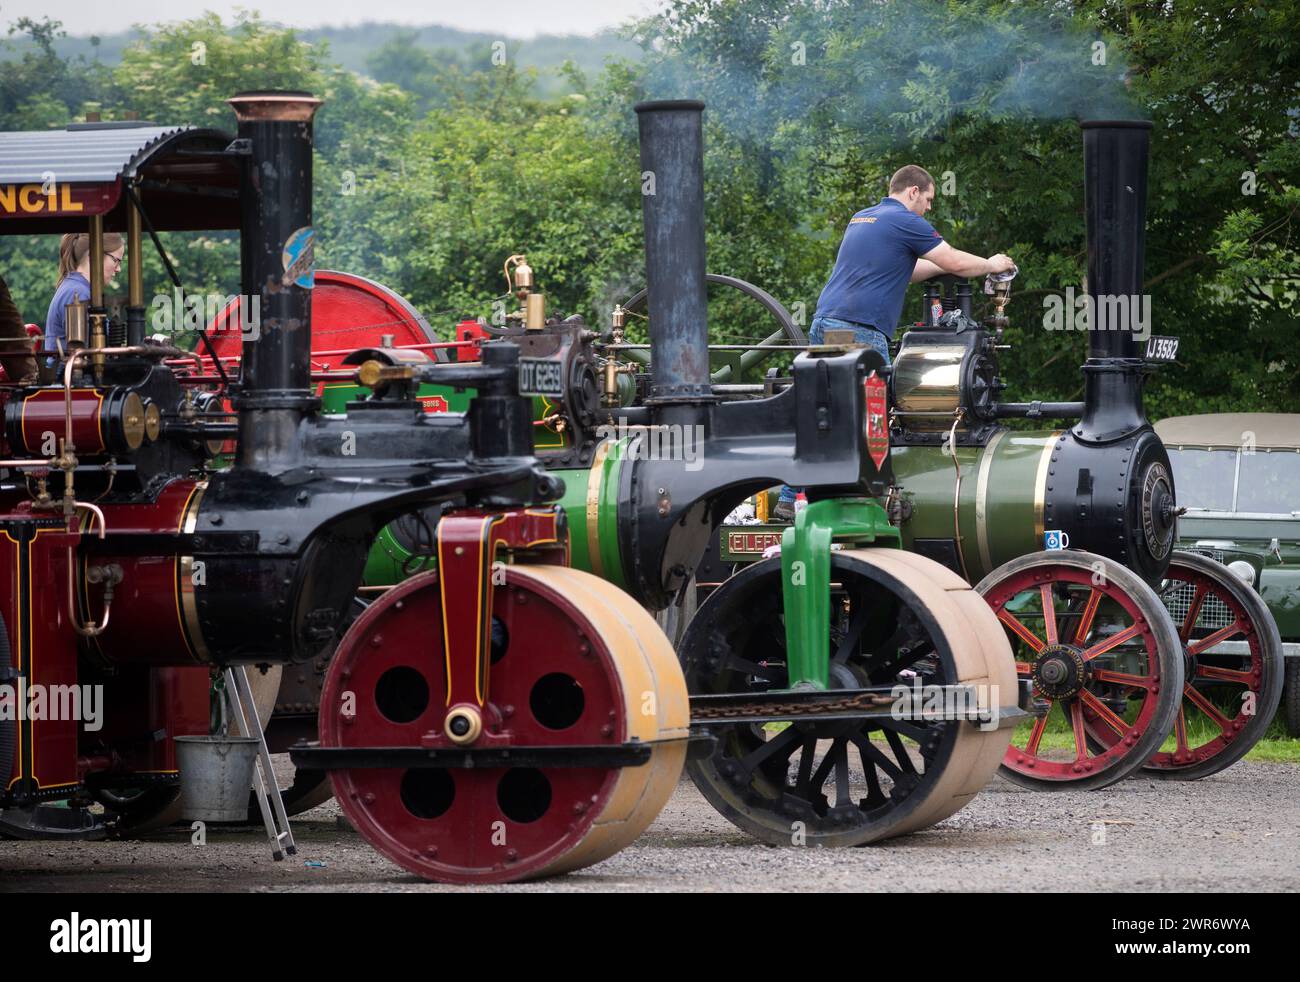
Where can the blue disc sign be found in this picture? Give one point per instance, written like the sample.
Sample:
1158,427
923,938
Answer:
299,258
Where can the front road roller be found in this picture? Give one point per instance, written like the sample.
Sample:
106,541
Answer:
855,695
490,722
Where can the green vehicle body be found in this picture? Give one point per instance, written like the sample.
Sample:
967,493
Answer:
1238,475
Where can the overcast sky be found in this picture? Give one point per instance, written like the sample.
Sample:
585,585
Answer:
512,18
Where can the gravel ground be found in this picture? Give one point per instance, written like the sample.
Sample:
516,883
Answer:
1234,832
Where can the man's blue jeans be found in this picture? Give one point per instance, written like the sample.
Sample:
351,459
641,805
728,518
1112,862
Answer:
863,335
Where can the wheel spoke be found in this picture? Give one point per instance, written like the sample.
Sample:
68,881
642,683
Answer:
907,729
1104,712
1207,707
1076,724
1049,612
1024,668
889,662
869,749
841,751
1039,728
802,782
853,636
900,752
1026,635
875,796
782,745
1193,612
1180,730
824,768
1085,619
1222,634
1122,678
1225,675
1114,641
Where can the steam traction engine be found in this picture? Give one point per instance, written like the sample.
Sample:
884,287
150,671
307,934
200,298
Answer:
821,645
1139,656
1118,633
534,709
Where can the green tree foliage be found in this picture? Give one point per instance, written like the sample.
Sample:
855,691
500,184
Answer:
183,73
439,164
497,174
827,99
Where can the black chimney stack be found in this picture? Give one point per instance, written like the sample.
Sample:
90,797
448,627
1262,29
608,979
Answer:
1108,483
1115,194
276,266
672,206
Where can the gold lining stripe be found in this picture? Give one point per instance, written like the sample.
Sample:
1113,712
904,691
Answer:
981,499
486,528
99,421
594,482
1040,487
31,661
187,613
17,646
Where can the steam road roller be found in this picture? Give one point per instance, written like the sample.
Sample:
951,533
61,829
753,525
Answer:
503,717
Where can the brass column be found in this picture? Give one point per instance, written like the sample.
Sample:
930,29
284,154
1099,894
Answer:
97,315
135,277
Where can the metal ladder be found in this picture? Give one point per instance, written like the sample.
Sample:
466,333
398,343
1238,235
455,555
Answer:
239,694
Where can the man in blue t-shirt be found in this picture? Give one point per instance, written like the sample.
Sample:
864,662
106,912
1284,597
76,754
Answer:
885,247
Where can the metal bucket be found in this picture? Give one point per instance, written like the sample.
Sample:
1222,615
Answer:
216,777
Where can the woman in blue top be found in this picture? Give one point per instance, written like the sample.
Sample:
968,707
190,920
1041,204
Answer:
74,280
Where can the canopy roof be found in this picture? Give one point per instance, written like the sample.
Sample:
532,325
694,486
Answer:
51,181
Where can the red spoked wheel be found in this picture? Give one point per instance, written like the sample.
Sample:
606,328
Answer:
574,662
1103,657
1233,665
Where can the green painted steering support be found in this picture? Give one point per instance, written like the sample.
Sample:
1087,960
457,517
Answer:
806,577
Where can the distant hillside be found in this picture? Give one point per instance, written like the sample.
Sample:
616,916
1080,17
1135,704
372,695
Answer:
350,46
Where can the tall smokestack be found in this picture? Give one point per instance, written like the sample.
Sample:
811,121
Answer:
1115,193
672,207
276,266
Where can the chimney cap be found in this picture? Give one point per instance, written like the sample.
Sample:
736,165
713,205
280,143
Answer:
1130,124
286,106
656,105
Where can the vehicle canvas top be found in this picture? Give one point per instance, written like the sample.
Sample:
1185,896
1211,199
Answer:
187,178
1231,430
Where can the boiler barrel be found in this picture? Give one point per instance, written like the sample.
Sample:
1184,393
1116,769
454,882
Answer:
1000,504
